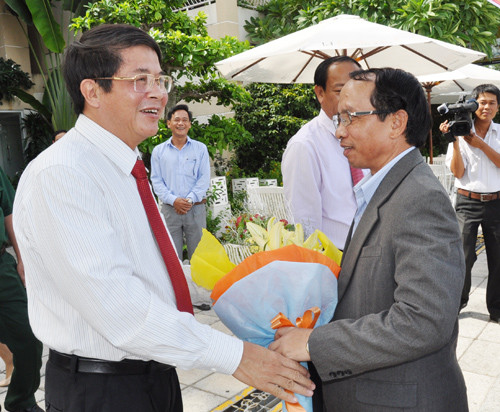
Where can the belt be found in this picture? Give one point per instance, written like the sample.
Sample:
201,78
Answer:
73,363
200,203
483,197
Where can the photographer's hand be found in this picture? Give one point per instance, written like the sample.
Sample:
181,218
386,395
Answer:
474,140
444,127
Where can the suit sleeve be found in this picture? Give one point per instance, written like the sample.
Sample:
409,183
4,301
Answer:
414,256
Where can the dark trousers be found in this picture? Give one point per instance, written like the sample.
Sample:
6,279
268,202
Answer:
16,333
471,213
71,391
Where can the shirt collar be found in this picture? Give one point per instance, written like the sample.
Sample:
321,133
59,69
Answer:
367,186
327,122
169,142
108,144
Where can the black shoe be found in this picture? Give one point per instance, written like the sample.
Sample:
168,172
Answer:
495,318
203,306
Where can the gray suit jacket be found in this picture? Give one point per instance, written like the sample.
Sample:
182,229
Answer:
392,342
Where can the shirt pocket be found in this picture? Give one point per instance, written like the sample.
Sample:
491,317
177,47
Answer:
189,167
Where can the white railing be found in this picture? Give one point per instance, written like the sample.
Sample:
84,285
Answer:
193,4
252,4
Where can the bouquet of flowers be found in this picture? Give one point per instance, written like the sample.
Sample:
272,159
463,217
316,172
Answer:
283,281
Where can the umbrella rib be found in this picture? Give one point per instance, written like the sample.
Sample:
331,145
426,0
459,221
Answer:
374,51
303,67
316,53
458,85
425,57
249,66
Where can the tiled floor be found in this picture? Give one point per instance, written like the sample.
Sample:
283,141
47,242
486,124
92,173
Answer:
478,352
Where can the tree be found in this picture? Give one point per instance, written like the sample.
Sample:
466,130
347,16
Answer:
188,52
12,79
56,105
468,23
188,55
273,116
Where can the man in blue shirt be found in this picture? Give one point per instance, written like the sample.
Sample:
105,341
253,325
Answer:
180,173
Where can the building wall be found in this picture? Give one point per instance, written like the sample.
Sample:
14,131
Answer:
13,45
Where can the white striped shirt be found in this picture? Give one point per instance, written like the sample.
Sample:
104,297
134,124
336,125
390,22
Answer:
97,284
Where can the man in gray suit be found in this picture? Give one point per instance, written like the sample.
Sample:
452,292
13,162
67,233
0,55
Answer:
391,344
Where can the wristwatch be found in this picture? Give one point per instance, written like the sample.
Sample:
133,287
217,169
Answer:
189,200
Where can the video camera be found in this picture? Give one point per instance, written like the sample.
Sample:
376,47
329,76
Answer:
461,125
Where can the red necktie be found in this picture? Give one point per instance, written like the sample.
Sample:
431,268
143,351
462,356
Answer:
356,174
167,251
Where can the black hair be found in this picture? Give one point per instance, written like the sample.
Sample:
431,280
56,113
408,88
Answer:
394,90
98,54
486,88
321,73
178,107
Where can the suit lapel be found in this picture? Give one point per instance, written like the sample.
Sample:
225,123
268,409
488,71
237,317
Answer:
355,243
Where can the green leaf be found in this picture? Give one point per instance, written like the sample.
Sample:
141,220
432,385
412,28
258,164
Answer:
44,21
29,99
21,9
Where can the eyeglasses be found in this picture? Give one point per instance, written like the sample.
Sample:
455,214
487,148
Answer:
144,83
346,117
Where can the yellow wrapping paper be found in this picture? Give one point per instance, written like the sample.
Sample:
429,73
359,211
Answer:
209,262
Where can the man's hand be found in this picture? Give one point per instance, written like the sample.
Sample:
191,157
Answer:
20,271
273,373
182,206
474,140
292,343
444,127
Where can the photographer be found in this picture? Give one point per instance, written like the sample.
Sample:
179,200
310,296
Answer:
474,160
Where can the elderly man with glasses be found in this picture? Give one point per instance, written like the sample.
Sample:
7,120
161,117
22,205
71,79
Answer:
106,289
391,344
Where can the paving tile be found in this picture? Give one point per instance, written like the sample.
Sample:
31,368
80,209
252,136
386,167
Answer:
196,400
478,281
477,389
480,358
191,376
471,324
492,401
220,384
477,302
221,327
491,333
206,319
462,345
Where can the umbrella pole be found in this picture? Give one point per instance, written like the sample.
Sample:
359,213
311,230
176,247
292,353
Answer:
428,87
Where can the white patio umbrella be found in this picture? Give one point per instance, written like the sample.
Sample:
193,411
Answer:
294,58
446,87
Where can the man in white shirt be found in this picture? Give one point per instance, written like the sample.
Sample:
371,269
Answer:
475,162
316,175
100,294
